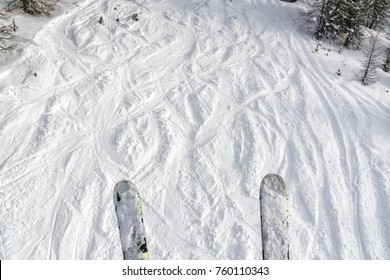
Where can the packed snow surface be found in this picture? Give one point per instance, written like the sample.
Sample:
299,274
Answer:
195,103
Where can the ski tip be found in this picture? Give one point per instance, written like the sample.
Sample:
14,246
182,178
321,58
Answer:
273,182
273,178
124,186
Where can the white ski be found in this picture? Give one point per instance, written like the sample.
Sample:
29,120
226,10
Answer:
274,218
128,211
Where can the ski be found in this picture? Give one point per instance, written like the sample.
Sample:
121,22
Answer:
274,218
128,211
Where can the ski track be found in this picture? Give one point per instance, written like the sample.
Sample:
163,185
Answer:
195,103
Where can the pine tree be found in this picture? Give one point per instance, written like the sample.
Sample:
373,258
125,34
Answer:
326,17
376,13
386,65
352,21
372,52
320,17
337,20
34,7
7,32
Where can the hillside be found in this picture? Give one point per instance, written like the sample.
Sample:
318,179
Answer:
195,103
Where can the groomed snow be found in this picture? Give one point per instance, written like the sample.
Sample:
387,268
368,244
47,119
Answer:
195,103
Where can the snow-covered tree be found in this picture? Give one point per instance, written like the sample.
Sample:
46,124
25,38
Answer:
352,22
376,13
320,17
386,65
34,7
373,54
337,20
7,32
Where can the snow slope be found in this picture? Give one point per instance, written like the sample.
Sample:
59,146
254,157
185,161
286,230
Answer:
195,103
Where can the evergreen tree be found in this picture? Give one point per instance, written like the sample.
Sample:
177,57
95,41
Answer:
386,65
337,20
320,17
376,13
34,7
372,53
7,32
352,21
327,18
